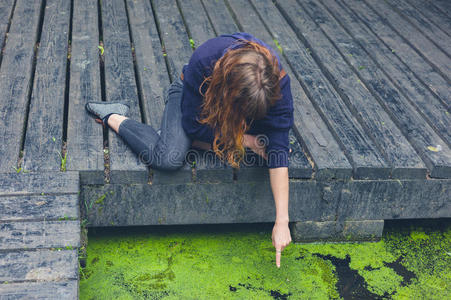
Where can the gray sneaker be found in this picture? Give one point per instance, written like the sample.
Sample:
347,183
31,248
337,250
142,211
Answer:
102,109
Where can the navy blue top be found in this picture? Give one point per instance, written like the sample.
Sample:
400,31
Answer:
275,125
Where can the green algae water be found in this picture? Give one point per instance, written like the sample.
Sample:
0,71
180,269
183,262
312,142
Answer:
412,261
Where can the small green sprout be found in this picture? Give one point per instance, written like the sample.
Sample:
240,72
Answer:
18,170
53,139
66,218
63,161
278,46
100,199
84,223
88,207
164,54
101,49
361,67
191,42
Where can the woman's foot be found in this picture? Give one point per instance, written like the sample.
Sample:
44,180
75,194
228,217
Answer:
103,110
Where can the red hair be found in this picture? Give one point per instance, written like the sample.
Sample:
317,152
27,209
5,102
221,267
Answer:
243,85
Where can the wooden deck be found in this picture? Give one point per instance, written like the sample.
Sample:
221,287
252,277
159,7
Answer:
39,235
371,87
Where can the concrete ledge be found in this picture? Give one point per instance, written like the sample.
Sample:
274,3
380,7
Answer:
311,231
347,203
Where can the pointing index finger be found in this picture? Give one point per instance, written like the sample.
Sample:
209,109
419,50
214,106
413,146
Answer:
278,255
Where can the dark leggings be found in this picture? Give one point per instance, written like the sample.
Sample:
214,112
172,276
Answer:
167,150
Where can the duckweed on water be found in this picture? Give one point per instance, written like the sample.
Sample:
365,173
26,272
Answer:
213,262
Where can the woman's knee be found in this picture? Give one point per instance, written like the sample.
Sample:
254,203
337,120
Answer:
169,160
174,91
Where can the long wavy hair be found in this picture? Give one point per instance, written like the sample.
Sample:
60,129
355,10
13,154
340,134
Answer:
242,87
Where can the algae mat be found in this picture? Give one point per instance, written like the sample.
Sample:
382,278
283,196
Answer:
412,261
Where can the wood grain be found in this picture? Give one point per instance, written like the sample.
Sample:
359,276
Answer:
15,79
84,136
44,136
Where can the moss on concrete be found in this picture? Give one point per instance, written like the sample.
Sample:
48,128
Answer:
227,263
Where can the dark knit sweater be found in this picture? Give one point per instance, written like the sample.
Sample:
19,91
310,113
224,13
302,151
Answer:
275,125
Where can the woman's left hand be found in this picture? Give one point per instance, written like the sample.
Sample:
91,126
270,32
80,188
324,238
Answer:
281,238
251,141
201,145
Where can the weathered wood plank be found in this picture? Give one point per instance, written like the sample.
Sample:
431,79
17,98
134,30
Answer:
423,25
120,85
39,234
433,14
153,78
400,155
15,79
405,80
412,60
236,202
220,17
43,139
151,66
37,183
252,169
359,148
177,46
40,265
435,56
196,20
174,36
431,78
6,11
38,207
208,167
328,159
84,136
299,165
443,5
40,290
373,200
205,203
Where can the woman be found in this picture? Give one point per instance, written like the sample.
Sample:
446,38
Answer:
232,93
